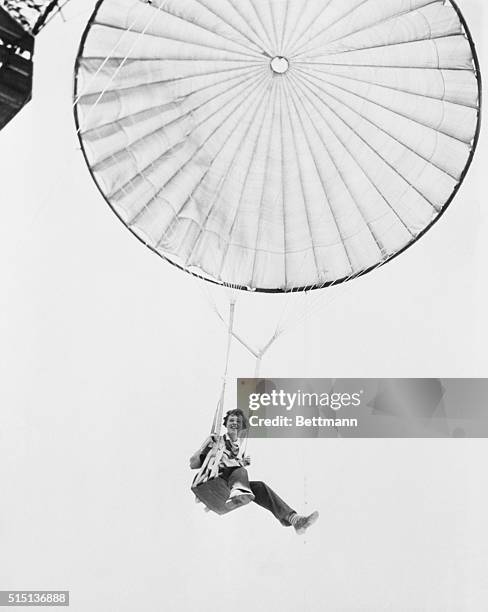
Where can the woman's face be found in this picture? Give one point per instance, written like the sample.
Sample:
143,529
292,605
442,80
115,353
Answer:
234,423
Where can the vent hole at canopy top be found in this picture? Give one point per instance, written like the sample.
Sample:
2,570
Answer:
279,65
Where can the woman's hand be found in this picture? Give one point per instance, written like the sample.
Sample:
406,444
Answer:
246,460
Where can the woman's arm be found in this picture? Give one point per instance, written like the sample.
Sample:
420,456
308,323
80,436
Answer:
198,456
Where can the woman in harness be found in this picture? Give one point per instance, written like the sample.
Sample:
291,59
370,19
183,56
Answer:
232,469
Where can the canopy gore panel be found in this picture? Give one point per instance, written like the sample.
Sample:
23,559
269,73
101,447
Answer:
276,146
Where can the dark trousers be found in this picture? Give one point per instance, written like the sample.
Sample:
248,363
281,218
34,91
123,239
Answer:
263,495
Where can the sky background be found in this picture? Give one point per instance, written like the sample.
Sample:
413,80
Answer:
111,365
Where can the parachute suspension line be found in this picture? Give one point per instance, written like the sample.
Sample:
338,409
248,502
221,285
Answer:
220,407
305,308
257,354
233,293
314,304
290,317
234,334
258,366
317,301
263,351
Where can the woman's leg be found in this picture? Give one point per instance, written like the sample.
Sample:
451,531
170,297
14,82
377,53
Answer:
238,479
267,498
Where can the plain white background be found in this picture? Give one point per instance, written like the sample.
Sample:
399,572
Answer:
111,363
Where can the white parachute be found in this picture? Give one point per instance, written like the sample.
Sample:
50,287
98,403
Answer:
276,145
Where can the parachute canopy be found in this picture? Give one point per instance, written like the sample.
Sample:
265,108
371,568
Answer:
278,144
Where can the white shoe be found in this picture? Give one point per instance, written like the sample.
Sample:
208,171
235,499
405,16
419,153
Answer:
302,523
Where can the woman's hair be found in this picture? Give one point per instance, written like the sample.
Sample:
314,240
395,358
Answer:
237,412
